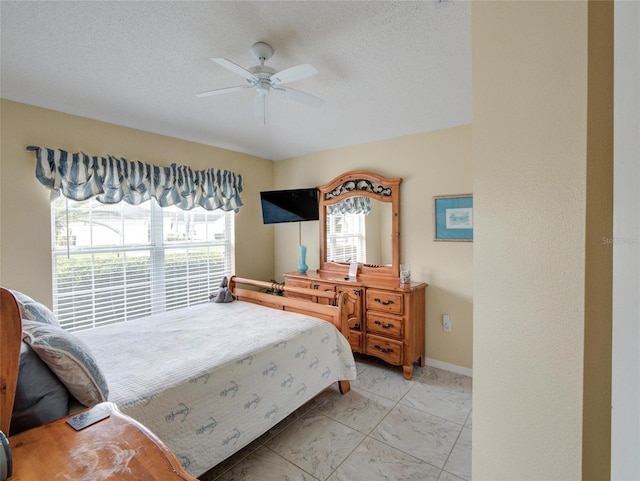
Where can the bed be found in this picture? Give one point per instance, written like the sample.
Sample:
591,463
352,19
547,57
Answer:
207,379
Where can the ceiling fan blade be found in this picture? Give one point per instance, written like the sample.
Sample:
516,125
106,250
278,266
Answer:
235,68
299,96
292,74
225,90
261,106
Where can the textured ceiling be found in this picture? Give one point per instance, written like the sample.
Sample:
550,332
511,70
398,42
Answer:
386,68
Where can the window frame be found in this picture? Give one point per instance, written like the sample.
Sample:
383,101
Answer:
359,236
198,253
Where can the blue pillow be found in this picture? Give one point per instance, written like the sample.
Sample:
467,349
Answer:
40,396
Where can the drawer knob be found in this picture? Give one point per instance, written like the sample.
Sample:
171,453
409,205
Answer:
383,349
384,326
384,303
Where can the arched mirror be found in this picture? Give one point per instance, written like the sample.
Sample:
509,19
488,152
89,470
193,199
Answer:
360,222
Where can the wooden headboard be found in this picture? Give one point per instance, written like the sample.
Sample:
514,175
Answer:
10,338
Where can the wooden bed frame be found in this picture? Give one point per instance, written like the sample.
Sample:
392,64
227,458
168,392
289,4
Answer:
11,327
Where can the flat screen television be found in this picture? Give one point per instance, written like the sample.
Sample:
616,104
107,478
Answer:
293,205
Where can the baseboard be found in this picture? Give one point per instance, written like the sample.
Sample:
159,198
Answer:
465,371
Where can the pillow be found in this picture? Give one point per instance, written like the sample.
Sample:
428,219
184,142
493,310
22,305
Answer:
70,359
40,396
33,310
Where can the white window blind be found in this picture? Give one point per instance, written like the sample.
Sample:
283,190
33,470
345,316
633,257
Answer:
117,262
346,241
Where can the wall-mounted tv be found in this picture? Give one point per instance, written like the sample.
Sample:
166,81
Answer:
293,205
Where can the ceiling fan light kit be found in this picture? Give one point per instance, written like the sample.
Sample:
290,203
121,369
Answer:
265,79
262,51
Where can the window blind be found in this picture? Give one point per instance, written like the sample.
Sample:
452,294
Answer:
346,240
118,262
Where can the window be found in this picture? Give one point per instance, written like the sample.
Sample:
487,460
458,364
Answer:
346,238
118,262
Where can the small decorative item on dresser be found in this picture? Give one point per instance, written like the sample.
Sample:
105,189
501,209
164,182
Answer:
405,274
302,259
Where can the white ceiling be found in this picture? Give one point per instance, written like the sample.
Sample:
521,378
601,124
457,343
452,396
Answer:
386,68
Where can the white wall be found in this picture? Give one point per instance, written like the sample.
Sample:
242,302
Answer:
625,422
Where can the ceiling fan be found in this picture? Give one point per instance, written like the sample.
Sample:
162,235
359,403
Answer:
266,80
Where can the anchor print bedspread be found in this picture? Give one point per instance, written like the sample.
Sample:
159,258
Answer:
211,378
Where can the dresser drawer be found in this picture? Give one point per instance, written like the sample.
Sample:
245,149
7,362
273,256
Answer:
386,349
320,286
384,301
385,325
297,283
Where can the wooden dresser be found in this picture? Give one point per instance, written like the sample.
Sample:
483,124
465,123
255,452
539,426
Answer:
387,319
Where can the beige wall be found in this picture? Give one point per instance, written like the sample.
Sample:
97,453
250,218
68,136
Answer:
25,238
433,163
542,206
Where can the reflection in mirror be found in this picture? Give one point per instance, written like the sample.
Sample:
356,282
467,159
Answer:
359,230
346,231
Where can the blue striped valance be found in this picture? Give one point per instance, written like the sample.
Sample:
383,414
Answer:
110,180
351,205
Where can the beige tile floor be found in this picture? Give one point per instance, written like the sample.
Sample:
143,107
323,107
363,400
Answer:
385,428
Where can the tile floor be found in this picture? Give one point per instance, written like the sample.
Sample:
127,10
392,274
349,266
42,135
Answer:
385,428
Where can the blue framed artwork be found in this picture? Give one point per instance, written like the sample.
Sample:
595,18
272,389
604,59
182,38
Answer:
453,216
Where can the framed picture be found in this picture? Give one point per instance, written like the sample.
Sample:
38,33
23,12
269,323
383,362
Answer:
453,217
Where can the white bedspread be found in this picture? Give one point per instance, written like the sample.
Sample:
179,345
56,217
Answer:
211,378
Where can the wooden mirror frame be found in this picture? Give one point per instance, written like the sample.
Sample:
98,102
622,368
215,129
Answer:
369,184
